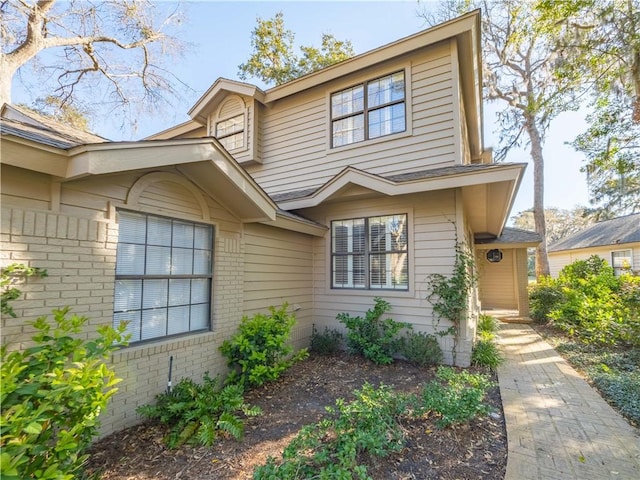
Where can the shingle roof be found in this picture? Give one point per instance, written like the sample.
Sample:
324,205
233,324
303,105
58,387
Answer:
512,235
29,125
399,178
610,232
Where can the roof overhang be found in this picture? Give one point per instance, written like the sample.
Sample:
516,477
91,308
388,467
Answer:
203,161
488,191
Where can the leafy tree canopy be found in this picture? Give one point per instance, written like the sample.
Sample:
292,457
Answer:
274,61
598,41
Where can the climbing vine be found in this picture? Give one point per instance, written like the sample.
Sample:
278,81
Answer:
450,294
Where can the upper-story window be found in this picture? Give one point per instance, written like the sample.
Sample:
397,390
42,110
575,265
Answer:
369,110
230,132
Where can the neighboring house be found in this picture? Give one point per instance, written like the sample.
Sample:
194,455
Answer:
617,241
353,182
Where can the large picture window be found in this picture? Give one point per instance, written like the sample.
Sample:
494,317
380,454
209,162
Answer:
163,276
369,110
370,253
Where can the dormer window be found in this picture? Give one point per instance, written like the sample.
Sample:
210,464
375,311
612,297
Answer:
230,132
370,110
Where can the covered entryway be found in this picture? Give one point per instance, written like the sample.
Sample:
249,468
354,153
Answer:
502,270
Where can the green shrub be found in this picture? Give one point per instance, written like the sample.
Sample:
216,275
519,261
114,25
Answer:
198,413
327,343
486,354
372,337
52,396
544,297
259,352
332,448
487,327
421,349
455,397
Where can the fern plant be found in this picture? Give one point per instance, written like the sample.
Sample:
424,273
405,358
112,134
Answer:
198,413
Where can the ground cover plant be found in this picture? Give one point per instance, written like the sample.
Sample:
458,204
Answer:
472,449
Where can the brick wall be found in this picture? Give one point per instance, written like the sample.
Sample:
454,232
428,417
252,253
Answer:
79,255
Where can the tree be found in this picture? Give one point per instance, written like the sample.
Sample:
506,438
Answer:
518,60
87,47
560,222
274,60
599,41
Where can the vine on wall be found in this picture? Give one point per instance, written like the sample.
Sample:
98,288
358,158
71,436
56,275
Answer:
450,294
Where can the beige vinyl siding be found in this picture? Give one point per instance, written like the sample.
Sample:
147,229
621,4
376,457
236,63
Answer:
498,286
432,240
558,260
296,134
278,269
77,245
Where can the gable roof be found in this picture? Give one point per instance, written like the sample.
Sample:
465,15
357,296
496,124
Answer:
463,30
29,125
481,184
616,231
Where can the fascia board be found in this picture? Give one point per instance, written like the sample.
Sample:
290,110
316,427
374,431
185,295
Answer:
288,223
33,156
511,173
405,45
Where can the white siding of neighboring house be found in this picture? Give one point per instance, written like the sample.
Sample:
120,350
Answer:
432,241
296,131
558,260
278,269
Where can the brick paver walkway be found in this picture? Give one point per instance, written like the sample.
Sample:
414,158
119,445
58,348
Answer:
558,427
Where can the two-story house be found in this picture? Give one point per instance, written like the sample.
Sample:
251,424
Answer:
357,181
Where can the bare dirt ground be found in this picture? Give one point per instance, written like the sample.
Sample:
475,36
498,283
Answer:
477,450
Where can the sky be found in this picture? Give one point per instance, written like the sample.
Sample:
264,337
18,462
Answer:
219,35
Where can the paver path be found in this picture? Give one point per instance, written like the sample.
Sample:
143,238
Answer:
558,427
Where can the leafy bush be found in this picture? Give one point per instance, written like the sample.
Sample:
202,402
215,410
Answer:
544,297
372,337
197,413
487,327
486,354
331,448
421,349
589,301
455,397
326,343
259,352
52,396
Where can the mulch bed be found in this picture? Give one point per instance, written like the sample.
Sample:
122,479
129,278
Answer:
477,450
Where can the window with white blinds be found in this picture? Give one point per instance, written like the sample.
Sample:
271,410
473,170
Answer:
370,253
163,276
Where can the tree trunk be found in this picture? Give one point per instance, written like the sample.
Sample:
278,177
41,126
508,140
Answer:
542,262
5,81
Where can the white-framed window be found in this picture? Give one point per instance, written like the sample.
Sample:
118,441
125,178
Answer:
370,253
163,276
230,132
369,110
622,261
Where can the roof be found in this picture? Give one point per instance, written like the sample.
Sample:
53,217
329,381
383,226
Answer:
616,231
401,178
24,123
511,237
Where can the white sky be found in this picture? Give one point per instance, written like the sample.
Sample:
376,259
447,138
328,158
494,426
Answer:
220,33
